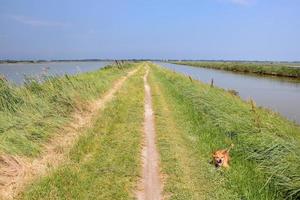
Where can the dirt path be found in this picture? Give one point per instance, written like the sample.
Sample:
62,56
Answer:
150,186
16,172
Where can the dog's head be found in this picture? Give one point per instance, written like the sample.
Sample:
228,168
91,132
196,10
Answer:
218,157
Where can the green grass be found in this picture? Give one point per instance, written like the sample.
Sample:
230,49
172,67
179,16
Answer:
187,172
31,114
257,68
105,162
194,119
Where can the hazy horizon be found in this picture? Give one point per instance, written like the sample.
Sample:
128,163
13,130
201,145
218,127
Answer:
145,59
250,30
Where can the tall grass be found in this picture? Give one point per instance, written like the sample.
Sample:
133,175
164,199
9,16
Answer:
257,68
30,114
105,162
266,155
188,174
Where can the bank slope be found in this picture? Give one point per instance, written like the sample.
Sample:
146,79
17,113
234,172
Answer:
193,119
35,112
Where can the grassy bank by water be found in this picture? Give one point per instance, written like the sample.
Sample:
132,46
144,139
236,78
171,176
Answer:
193,119
256,68
30,114
105,162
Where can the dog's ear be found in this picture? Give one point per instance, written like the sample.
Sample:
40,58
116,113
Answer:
225,151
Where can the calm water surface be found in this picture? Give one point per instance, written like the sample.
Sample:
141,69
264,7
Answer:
16,72
279,94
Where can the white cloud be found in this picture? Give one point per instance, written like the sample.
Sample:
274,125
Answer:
35,22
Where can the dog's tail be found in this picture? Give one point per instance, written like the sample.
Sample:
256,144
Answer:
229,148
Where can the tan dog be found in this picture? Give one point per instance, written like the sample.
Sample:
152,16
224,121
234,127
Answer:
221,157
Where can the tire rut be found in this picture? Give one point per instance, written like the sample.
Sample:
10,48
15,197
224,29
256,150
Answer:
16,172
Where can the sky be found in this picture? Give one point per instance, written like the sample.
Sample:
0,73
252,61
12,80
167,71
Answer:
152,29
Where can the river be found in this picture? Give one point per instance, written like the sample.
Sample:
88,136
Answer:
279,94
16,72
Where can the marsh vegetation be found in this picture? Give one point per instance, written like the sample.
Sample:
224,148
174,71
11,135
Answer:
191,120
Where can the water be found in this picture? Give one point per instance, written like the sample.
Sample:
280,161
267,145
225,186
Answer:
279,94
15,72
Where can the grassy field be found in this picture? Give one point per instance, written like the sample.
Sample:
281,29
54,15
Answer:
256,68
194,119
105,162
30,114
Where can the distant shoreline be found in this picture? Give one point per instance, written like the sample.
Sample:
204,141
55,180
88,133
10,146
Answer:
289,63
281,69
49,61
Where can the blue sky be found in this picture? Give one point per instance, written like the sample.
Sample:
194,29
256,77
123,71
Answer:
178,29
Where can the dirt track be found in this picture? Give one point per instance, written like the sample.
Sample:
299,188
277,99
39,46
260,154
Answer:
16,172
150,186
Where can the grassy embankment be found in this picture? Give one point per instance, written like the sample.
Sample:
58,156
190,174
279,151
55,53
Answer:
256,68
31,114
193,119
105,162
